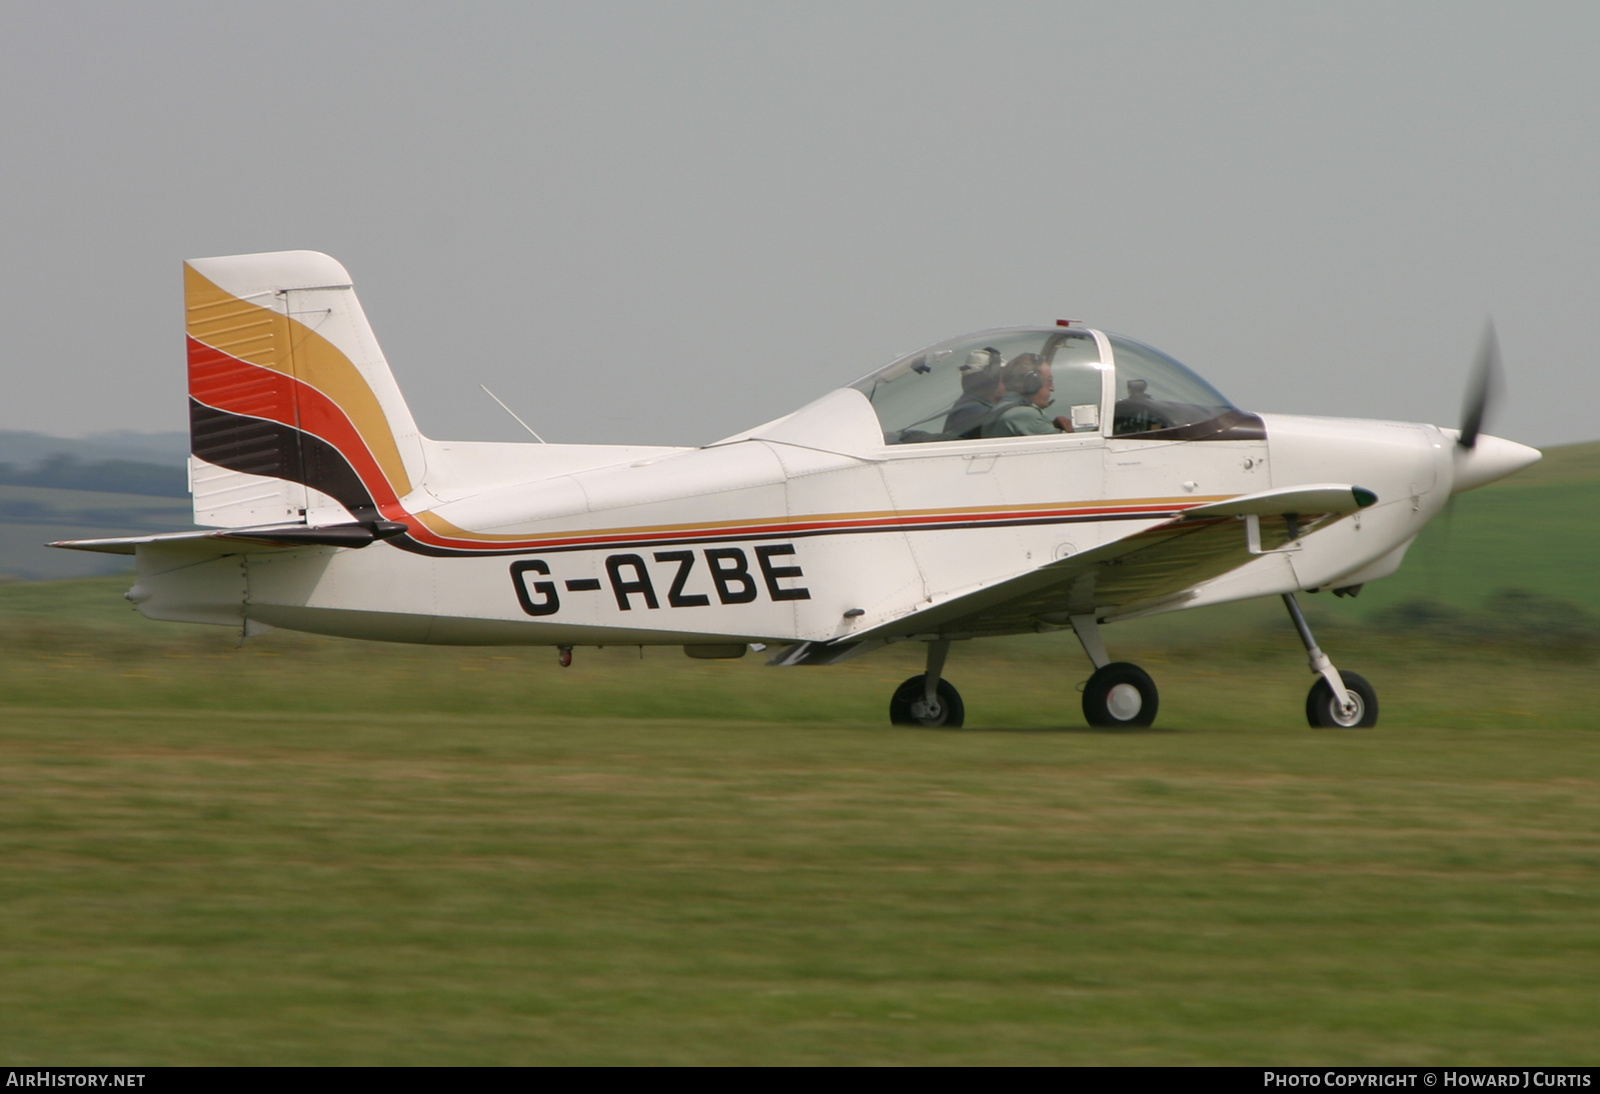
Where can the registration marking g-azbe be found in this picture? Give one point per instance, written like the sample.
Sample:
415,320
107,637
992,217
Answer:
631,580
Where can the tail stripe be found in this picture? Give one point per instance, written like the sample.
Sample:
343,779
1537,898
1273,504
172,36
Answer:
274,399
225,383
327,468
317,463
250,334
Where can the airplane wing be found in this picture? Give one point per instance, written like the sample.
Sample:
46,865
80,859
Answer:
230,541
1143,570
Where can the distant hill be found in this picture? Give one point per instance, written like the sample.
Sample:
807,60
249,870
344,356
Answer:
104,476
122,462
25,449
1569,463
31,516
1534,532
105,484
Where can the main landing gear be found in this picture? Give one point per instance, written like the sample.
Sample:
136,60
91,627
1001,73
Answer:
1119,694
928,700
1122,695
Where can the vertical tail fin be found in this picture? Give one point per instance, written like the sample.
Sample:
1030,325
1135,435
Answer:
293,413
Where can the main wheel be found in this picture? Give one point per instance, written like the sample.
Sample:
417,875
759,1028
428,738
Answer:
1323,711
909,707
1120,694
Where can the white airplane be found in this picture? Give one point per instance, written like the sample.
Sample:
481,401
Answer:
934,500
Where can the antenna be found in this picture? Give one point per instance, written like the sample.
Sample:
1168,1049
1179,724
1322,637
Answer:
513,413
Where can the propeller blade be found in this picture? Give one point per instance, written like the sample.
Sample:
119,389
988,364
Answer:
1439,548
1482,388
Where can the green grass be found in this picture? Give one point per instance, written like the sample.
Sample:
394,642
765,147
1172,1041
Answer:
314,851
72,645
1539,538
415,889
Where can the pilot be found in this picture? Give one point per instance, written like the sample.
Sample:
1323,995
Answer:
1029,389
1138,413
981,392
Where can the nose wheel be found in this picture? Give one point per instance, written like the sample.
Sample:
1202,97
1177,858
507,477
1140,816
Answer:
1324,711
1338,700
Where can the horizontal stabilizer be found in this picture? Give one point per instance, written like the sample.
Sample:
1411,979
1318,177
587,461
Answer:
229,541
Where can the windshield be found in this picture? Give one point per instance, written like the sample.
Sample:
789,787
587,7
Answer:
981,385
1156,392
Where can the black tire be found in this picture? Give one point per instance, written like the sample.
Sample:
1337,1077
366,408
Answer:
906,707
1323,712
1119,695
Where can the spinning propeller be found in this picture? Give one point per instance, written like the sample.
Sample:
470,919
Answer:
1480,458
1477,457
1486,383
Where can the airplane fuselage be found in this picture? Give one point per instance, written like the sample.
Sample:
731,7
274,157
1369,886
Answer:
765,541
1014,480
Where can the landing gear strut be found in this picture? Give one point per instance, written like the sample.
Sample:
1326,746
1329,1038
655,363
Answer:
1338,700
1122,695
928,700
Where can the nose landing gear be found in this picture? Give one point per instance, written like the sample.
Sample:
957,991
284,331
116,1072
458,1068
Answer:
1337,700
1323,711
1122,695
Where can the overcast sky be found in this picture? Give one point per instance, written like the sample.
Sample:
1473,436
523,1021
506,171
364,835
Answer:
667,222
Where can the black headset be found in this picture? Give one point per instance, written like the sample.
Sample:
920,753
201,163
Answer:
1030,383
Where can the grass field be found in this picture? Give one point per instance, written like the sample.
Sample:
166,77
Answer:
314,851
416,889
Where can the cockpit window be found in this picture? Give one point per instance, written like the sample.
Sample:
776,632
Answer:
956,390
1155,392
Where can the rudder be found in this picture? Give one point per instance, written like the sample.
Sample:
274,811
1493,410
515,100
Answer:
294,414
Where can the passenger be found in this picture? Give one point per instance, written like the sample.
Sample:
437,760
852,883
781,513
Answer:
1029,389
981,392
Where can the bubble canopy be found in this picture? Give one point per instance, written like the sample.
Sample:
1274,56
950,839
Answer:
1033,380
